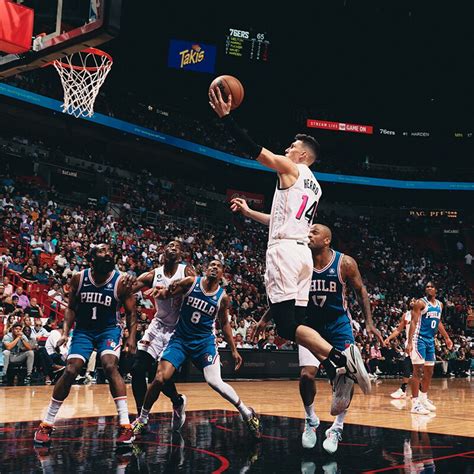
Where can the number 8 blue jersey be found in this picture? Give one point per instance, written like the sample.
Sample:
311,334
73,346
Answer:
198,312
429,320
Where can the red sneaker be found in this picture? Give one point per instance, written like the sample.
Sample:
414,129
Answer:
43,433
126,435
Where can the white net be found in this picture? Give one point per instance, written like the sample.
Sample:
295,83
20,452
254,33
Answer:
82,74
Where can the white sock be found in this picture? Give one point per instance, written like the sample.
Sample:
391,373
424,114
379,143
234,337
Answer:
339,421
245,411
144,414
122,410
53,408
311,414
423,396
414,400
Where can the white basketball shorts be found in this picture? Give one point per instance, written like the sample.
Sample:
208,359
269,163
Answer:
306,358
289,268
155,339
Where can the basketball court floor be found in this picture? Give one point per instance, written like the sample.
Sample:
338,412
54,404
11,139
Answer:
380,434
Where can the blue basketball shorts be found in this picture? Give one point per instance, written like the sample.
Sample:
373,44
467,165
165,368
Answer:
105,341
202,353
338,333
423,351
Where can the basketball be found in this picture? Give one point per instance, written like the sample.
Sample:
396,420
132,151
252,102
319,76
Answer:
229,85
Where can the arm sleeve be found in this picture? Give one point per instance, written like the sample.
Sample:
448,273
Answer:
244,142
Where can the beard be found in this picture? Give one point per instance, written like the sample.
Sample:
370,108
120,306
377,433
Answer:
103,265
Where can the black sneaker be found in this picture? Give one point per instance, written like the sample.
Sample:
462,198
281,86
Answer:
253,425
27,380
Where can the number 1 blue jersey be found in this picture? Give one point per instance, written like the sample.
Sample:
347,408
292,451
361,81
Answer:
98,305
198,312
327,295
429,320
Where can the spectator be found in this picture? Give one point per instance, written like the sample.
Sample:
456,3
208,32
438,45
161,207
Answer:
56,296
468,259
28,274
41,277
38,331
34,311
49,246
61,260
23,300
17,350
16,266
7,287
270,344
242,330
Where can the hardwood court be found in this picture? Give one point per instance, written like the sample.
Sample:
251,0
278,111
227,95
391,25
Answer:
380,434
454,400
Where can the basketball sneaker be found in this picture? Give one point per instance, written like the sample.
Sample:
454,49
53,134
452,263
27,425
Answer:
179,415
309,438
333,436
418,409
428,404
342,387
126,435
356,369
398,394
43,433
139,427
254,425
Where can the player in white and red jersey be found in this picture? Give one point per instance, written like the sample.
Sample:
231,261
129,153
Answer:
160,330
288,261
404,324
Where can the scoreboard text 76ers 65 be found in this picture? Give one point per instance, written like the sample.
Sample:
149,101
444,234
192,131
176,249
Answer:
247,44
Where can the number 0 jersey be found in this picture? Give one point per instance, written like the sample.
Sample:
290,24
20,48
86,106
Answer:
293,208
429,321
198,312
327,295
98,305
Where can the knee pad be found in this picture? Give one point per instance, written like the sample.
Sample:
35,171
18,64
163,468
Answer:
284,316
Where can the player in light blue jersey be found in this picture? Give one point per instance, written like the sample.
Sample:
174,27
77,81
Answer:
425,322
204,301
93,303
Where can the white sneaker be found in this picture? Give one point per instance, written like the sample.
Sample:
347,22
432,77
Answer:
356,369
179,415
398,394
419,409
333,436
428,404
309,438
343,389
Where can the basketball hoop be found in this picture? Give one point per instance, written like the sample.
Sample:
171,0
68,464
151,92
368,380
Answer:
82,75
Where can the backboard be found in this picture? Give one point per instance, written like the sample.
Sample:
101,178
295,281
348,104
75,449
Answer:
63,27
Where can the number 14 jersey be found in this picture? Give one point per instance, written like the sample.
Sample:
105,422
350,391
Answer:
294,208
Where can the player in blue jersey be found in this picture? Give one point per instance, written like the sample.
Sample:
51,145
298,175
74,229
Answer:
425,322
328,314
95,298
204,300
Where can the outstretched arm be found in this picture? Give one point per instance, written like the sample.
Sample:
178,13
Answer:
176,288
70,312
279,163
396,332
129,303
351,274
145,280
226,329
444,333
240,205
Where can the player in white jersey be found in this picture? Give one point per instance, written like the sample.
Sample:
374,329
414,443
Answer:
404,324
160,330
288,260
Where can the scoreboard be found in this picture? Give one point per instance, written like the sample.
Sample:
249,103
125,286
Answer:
247,44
